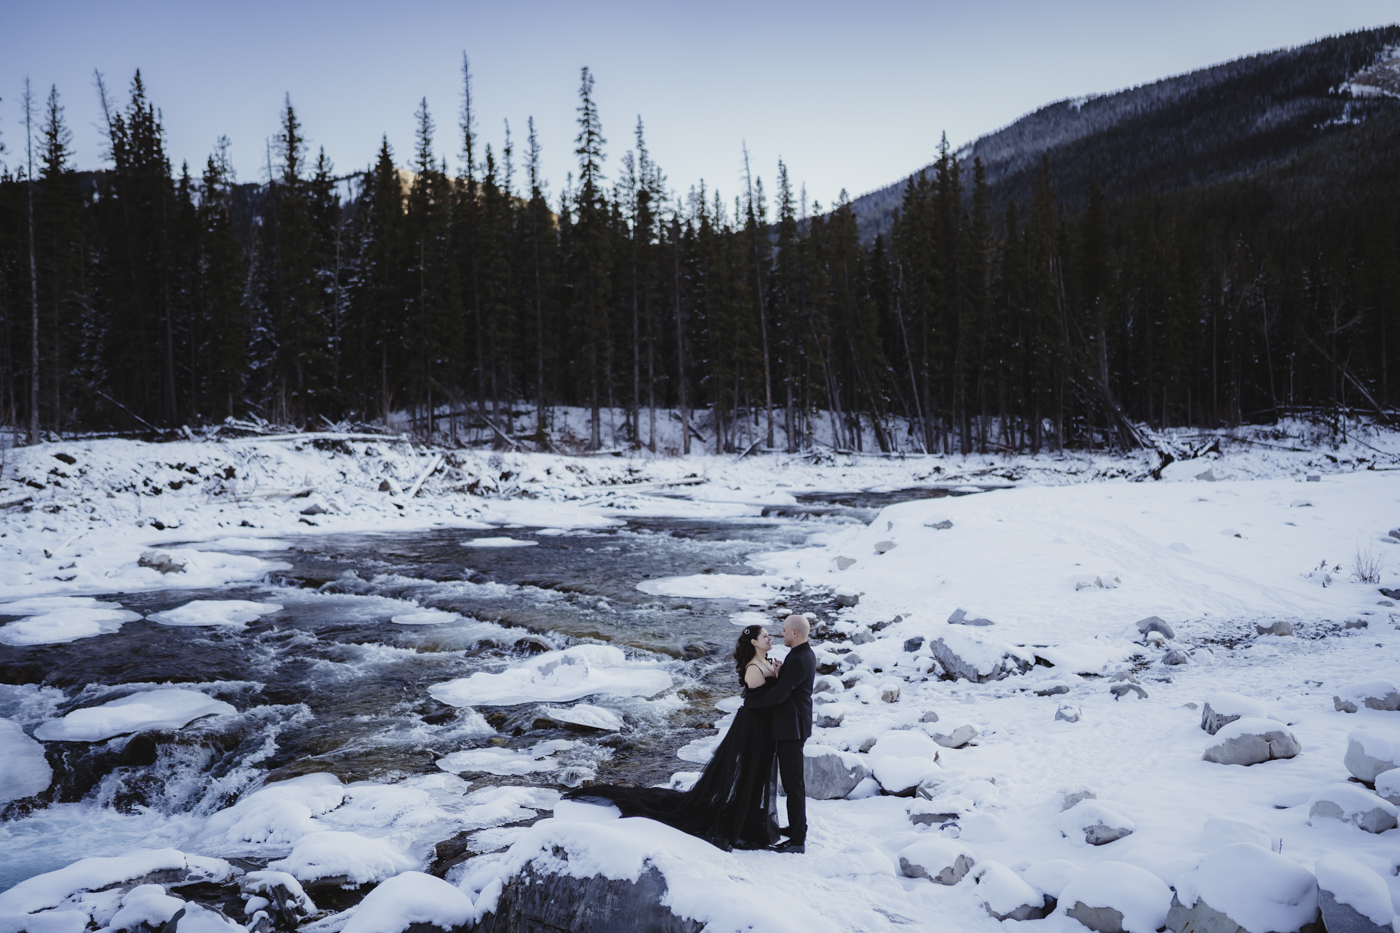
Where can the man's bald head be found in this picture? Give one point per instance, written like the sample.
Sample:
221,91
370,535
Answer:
796,628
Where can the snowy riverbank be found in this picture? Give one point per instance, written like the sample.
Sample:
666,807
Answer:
945,738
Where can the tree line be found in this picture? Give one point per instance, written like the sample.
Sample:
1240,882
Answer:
141,298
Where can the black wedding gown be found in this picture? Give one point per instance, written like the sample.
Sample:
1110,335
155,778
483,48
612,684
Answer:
733,804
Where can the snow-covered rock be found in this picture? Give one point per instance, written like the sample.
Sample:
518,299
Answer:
347,858
1251,742
1388,785
1073,794
1281,628
1090,822
961,616
1243,886
901,777
154,710
1374,694
1353,898
24,771
830,773
1352,804
59,902
1221,709
1051,875
1068,712
950,737
1370,754
412,899
943,861
1006,895
1156,624
286,899
1115,897
965,656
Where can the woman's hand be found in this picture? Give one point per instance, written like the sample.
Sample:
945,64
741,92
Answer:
777,665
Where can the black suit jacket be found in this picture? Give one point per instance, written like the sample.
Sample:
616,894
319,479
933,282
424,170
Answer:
791,696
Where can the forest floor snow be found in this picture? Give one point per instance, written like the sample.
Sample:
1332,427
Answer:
1062,564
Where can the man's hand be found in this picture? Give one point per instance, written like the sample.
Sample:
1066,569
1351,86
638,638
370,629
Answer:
777,665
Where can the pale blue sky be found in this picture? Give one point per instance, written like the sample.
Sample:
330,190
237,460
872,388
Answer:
849,95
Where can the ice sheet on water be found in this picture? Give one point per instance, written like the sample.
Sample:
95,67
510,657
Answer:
557,676
425,617
498,542
64,625
245,544
505,761
24,771
715,586
159,710
236,613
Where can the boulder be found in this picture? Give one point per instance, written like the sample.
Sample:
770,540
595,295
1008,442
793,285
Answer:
889,693
928,716
1370,754
1251,741
955,738
884,547
1119,691
927,813
1388,785
1089,822
961,617
1352,804
1075,793
941,861
536,899
161,561
1115,897
843,563
827,684
945,524
1006,895
1068,712
913,644
1374,694
831,774
288,903
829,719
1052,689
1176,657
1353,898
901,777
1281,627
847,597
965,656
1156,624
1244,887
1221,709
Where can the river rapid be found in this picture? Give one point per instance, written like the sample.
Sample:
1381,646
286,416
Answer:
329,682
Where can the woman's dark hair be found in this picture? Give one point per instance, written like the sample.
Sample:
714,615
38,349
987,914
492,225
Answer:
744,650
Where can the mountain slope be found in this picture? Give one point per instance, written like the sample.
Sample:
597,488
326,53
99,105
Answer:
1227,121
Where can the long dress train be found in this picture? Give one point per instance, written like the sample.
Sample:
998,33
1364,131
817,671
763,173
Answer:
734,802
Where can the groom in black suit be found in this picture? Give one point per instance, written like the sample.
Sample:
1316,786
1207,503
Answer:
791,700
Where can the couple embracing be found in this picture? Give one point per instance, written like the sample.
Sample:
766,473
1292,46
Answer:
734,803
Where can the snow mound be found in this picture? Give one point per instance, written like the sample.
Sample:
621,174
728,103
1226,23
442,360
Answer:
557,677
24,771
232,612
1254,887
358,859
1051,875
1138,895
412,898
65,625
155,710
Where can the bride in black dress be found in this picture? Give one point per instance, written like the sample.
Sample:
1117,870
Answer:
734,803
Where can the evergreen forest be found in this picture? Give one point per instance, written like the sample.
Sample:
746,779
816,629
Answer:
448,286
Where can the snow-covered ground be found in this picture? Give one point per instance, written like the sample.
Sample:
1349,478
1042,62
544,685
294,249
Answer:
1067,694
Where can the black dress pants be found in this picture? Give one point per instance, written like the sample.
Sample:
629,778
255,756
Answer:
790,769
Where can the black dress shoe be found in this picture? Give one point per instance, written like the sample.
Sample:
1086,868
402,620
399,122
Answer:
797,848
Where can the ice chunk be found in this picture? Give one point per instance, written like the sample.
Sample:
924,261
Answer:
64,625
715,586
498,542
159,710
24,771
505,761
232,612
589,717
557,677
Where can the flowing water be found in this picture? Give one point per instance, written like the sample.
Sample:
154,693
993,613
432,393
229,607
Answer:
330,683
